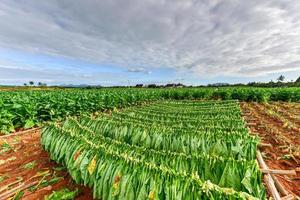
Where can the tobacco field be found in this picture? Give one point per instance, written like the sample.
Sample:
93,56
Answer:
26,109
162,150
148,143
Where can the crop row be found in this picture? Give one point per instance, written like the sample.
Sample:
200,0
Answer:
26,109
125,159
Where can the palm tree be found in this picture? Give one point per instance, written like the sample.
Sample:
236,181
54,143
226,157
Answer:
280,78
31,83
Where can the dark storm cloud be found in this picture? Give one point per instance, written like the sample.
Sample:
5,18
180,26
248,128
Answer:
202,37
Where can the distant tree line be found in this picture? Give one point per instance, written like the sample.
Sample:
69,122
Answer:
32,83
278,83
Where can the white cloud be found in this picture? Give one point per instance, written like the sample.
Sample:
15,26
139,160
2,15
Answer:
139,70
204,37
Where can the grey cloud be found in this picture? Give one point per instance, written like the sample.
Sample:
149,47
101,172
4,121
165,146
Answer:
139,70
295,66
202,37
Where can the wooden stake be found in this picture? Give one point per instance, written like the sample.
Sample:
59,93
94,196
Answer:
279,186
271,186
20,132
268,179
278,171
288,197
265,145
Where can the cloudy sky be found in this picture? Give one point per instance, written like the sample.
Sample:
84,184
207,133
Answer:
113,42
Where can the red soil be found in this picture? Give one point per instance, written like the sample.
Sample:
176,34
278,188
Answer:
26,148
285,141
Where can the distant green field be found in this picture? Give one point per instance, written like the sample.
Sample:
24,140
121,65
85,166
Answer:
29,108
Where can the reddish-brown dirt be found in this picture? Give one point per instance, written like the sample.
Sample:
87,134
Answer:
34,177
269,122
290,111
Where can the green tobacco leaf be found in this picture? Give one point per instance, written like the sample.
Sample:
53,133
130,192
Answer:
17,106
5,147
163,151
247,181
2,178
29,165
63,194
29,124
18,195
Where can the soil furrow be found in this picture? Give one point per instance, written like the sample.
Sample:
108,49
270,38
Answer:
31,160
284,153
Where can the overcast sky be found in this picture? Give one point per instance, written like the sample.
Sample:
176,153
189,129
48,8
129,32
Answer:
112,42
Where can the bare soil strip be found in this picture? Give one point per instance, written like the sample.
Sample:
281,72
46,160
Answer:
288,118
285,151
25,166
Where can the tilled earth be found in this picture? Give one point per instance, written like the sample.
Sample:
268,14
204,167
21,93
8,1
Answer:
26,167
278,124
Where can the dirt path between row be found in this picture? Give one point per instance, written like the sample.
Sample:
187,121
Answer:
285,141
24,164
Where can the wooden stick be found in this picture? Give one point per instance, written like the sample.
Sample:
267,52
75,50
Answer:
279,186
288,197
22,186
9,185
254,120
278,171
268,179
251,124
265,145
20,132
271,186
247,114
